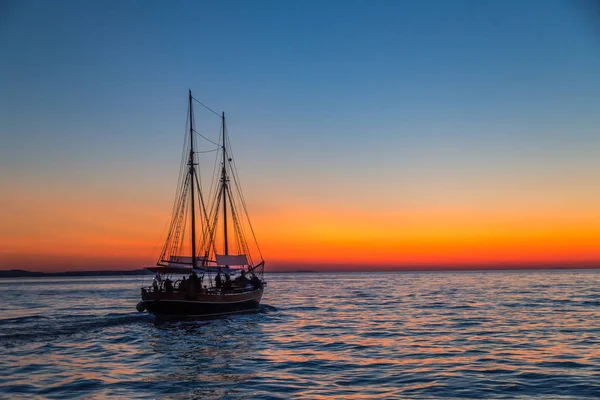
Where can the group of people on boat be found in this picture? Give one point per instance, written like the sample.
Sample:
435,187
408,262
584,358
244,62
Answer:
194,282
241,281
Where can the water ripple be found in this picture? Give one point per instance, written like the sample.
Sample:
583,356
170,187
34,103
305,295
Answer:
317,336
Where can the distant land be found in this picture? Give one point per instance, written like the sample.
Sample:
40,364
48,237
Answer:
20,273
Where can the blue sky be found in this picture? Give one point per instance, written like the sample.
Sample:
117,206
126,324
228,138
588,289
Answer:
329,71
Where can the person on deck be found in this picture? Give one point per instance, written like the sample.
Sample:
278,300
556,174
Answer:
168,286
255,280
218,282
242,279
193,281
227,282
156,282
197,282
183,285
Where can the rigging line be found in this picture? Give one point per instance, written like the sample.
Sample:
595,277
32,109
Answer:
184,152
245,207
170,228
177,191
170,244
179,233
173,223
212,246
234,218
241,195
240,237
240,226
202,206
204,137
204,214
214,180
243,236
234,213
208,151
207,107
182,240
211,227
180,196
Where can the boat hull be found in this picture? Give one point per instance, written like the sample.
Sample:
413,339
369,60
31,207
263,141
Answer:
202,305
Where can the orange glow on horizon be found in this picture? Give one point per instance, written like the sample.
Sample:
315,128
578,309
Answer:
128,239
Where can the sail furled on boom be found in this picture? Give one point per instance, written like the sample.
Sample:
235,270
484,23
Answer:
183,260
228,259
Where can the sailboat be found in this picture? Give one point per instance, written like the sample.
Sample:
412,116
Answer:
206,267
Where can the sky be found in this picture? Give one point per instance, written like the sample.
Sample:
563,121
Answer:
367,134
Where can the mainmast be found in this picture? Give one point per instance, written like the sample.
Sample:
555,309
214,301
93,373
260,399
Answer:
192,171
224,190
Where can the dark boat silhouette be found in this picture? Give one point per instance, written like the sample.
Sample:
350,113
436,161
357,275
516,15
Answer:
205,267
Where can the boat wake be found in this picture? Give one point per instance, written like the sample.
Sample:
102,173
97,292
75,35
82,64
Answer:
37,328
265,308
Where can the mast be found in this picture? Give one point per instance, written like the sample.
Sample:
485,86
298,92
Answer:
224,189
192,172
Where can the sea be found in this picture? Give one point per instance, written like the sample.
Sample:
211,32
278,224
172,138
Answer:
403,335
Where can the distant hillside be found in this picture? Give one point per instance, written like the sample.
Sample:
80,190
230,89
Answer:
20,273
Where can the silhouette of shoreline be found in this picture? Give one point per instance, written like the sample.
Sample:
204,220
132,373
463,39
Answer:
20,273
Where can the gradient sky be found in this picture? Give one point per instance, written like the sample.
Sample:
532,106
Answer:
381,133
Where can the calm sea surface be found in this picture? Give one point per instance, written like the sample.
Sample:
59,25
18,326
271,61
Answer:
317,336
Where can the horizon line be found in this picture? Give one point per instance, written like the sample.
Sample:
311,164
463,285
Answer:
331,268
